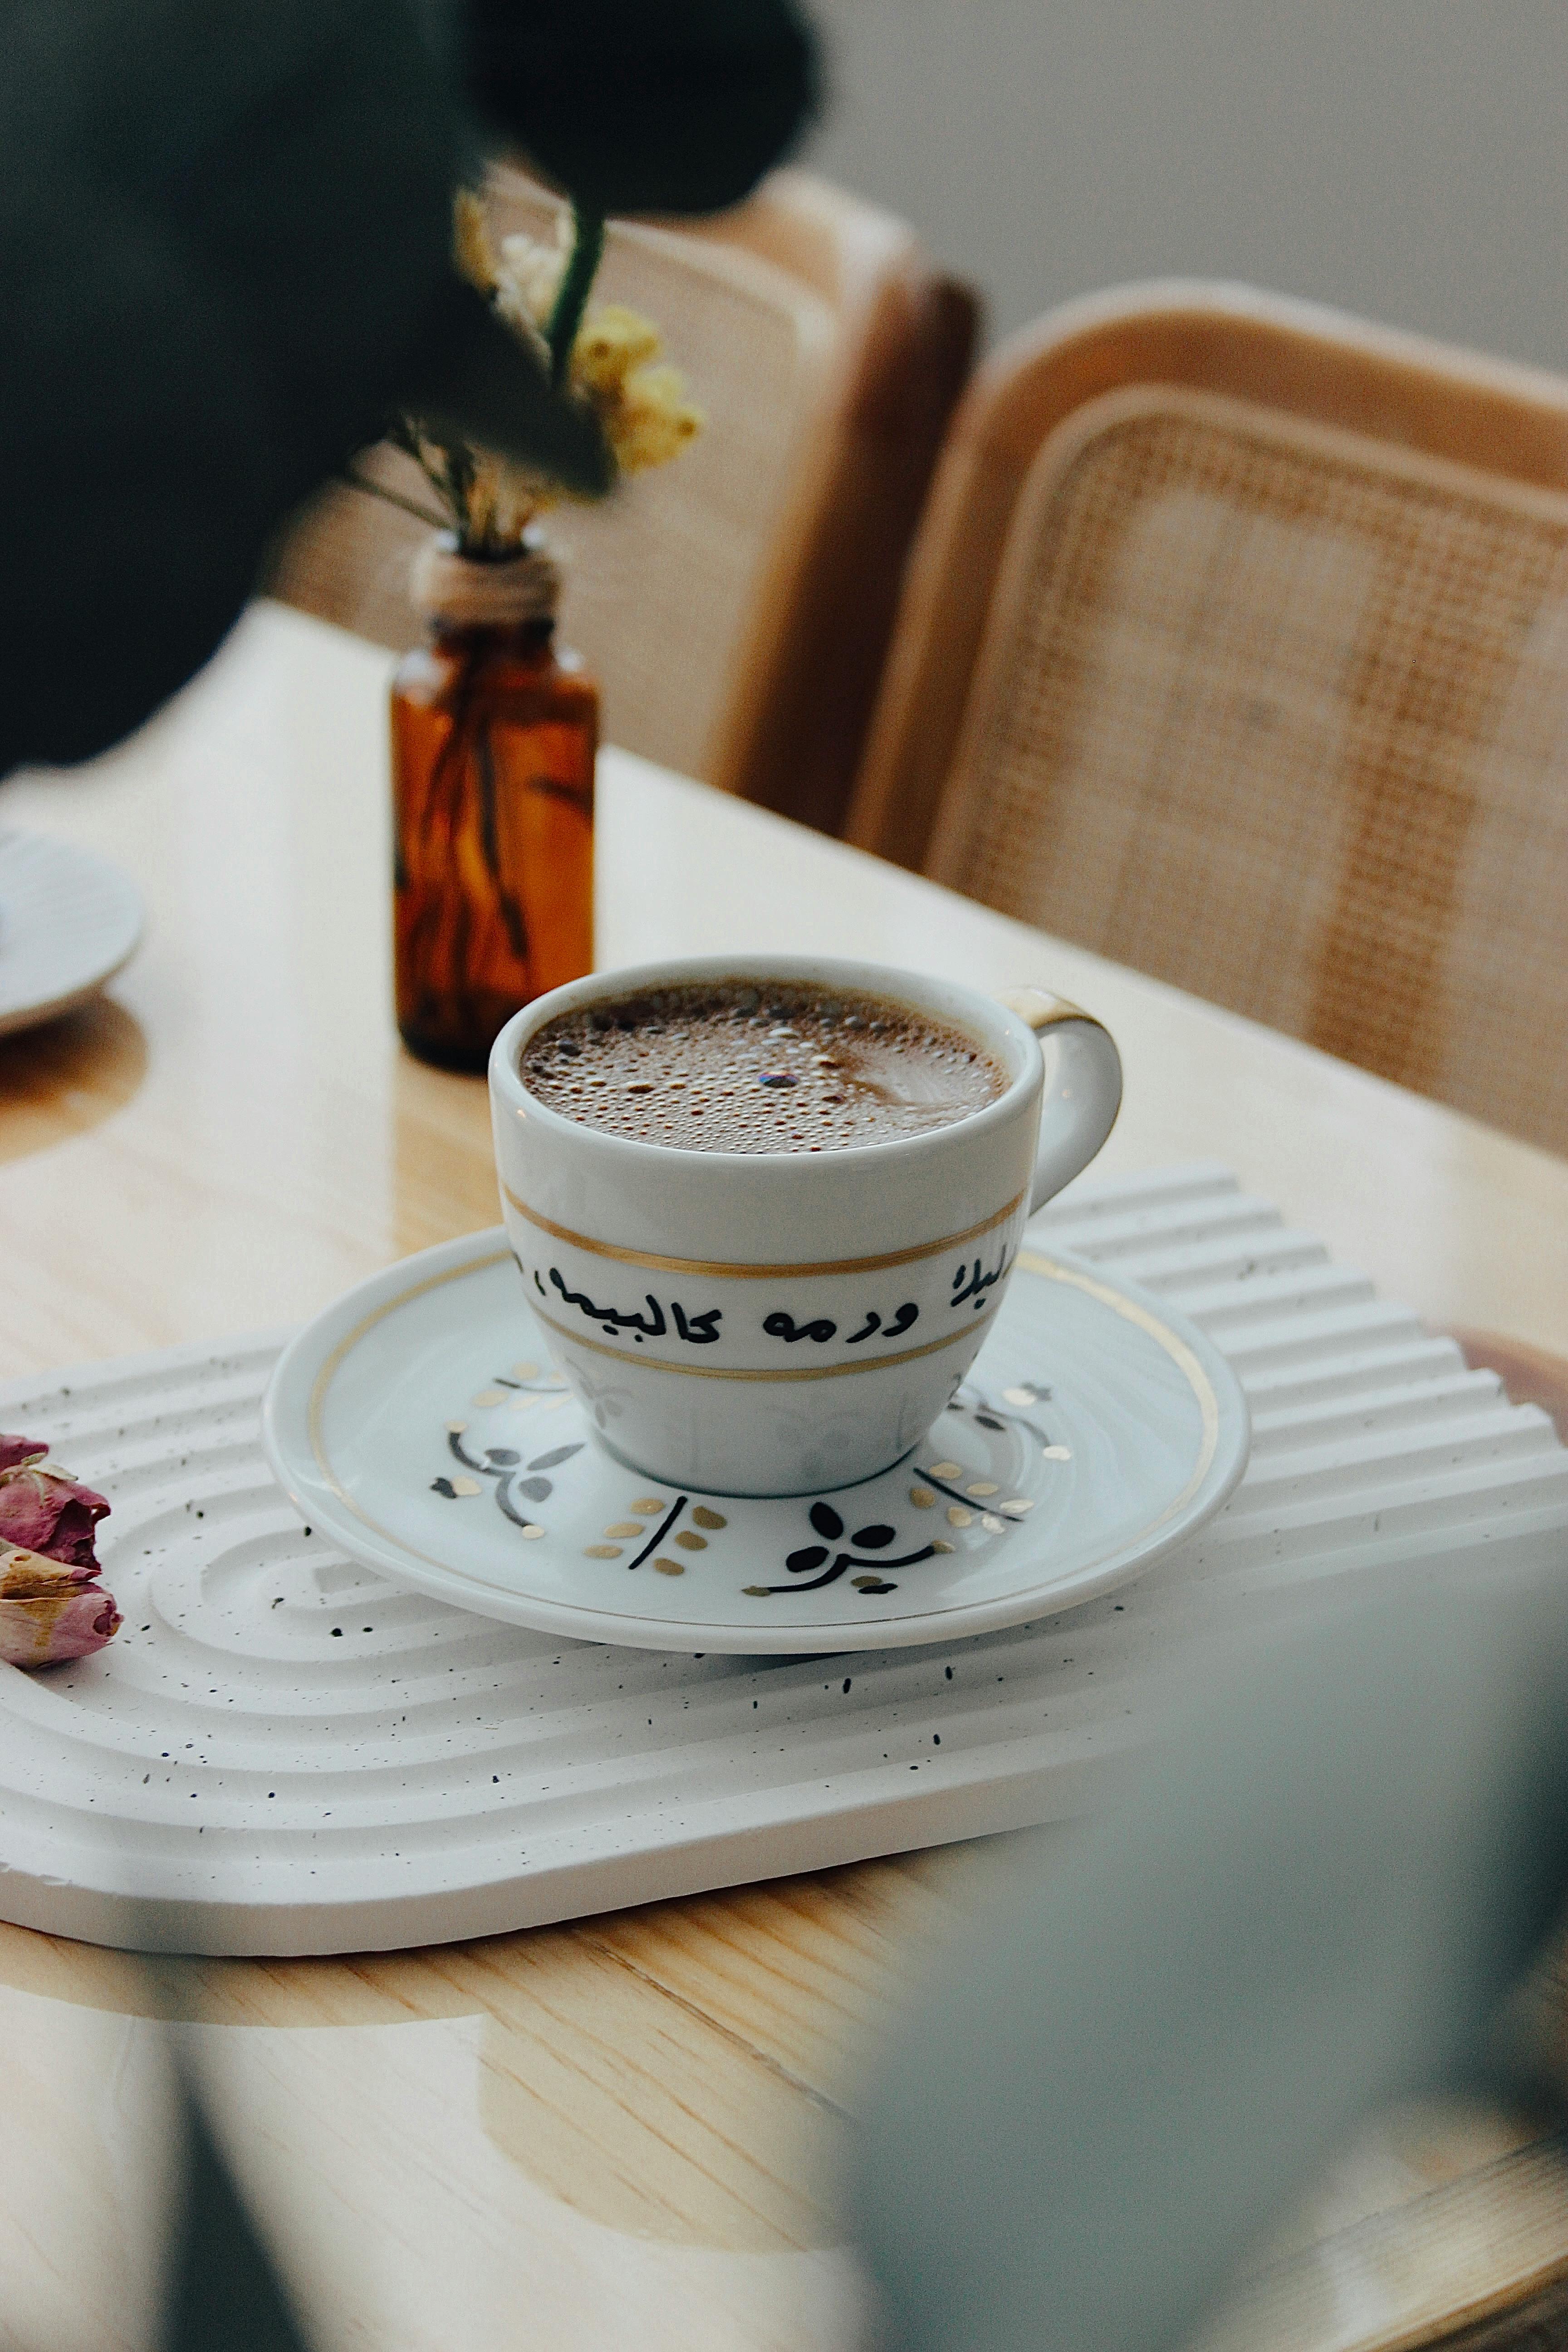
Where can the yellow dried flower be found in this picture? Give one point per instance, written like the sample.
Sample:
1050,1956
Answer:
529,277
610,343
481,498
502,500
471,248
652,420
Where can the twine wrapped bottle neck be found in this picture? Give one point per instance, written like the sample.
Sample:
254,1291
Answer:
459,592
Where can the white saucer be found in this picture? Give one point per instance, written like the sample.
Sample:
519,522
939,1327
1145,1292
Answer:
418,1422
68,921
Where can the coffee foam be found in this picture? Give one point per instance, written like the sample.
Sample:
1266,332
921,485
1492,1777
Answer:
753,1066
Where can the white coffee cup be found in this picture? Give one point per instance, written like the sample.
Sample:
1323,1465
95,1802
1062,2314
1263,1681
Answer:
778,1323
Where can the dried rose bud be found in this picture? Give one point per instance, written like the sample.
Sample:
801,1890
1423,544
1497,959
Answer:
45,1509
51,1603
51,1610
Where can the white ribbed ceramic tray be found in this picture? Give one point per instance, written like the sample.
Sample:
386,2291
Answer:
69,919
283,1753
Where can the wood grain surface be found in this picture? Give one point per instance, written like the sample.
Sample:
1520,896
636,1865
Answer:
629,2130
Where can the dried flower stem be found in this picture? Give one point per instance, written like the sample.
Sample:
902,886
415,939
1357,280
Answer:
587,252
372,488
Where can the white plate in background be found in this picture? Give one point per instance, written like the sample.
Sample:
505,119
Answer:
68,921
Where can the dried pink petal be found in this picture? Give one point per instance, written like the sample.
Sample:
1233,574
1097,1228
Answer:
47,1510
43,1507
52,1606
50,1609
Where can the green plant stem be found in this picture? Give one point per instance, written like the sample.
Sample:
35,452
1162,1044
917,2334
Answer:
587,252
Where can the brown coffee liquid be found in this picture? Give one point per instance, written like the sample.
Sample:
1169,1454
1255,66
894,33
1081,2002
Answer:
765,1066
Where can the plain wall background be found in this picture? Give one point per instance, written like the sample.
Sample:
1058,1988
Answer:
1405,158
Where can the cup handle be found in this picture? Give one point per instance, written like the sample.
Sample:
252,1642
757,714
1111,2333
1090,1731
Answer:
1083,1085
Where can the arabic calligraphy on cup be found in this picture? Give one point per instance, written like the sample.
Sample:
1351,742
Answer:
780,1325
653,1318
697,1330
972,1282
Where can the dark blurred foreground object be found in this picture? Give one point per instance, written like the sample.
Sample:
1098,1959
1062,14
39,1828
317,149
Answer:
640,107
1318,1900
225,256
224,2294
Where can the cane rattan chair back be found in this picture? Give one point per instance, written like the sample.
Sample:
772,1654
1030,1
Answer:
736,606
1237,649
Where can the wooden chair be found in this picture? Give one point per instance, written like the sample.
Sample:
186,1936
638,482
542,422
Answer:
1236,646
736,606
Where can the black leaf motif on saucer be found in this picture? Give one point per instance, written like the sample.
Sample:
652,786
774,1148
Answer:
814,1565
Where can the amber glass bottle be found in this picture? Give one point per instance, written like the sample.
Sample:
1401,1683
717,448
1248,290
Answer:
493,736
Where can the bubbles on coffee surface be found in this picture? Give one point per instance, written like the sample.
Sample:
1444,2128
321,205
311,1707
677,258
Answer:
738,1065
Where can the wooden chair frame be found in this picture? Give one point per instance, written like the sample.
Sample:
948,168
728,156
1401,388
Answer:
797,715
1298,358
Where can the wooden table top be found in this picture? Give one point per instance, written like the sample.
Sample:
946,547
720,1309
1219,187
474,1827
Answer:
625,2130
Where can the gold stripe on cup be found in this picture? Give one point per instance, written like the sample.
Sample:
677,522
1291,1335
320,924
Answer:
718,1270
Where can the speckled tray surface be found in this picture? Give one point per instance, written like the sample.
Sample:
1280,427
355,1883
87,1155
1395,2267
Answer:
284,1753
